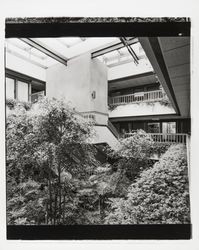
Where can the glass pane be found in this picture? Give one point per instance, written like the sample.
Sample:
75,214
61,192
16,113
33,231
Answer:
169,127
10,88
22,91
154,127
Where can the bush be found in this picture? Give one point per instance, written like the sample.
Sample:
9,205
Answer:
12,104
159,196
160,148
133,154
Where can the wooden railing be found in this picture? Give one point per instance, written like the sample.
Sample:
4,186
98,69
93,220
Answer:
165,137
137,97
35,97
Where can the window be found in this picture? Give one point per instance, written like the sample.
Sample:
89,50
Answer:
10,88
17,90
154,127
22,91
22,87
169,127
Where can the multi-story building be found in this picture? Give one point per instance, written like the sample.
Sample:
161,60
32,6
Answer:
121,84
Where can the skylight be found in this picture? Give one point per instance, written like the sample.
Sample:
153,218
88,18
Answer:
112,51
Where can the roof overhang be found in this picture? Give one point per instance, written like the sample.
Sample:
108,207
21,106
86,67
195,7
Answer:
170,59
133,81
147,118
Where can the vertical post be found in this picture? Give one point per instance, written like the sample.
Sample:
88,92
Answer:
188,151
29,92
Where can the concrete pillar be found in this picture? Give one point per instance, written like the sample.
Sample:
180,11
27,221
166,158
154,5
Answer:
82,83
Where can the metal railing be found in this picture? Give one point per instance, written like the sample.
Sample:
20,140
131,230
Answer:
137,97
35,97
165,137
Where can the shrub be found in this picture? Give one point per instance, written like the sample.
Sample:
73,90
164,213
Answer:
159,196
160,148
12,103
133,154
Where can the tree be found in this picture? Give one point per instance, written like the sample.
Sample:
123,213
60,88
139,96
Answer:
47,145
159,195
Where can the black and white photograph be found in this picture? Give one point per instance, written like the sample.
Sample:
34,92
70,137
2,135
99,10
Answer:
98,125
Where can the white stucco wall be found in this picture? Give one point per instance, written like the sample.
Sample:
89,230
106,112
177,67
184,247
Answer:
104,135
141,109
70,82
99,84
77,81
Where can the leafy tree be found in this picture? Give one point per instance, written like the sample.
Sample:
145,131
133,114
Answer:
132,154
159,195
48,147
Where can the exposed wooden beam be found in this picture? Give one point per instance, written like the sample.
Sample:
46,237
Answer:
45,49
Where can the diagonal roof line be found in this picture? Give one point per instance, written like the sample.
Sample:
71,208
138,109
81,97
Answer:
46,50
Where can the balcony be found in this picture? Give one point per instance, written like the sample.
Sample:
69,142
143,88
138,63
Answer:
166,137
149,96
35,97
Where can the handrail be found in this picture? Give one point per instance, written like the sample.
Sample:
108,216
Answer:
144,92
138,97
165,137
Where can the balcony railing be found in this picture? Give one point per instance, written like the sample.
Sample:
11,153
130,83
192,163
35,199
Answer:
149,96
165,137
35,97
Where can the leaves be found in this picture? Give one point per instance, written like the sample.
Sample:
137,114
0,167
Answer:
159,195
46,149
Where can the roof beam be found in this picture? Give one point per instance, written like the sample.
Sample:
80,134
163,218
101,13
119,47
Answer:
111,48
45,49
130,50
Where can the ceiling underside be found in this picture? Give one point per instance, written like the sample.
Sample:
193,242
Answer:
133,81
170,58
176,52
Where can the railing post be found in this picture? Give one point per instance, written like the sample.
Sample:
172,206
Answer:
188,151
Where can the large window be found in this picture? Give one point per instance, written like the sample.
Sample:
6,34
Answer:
16,89
22,87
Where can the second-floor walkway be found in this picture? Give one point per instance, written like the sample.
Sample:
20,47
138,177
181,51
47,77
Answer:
149,96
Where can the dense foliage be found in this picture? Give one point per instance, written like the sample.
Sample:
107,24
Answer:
159,195
53,176
133,154
48,158
12,103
